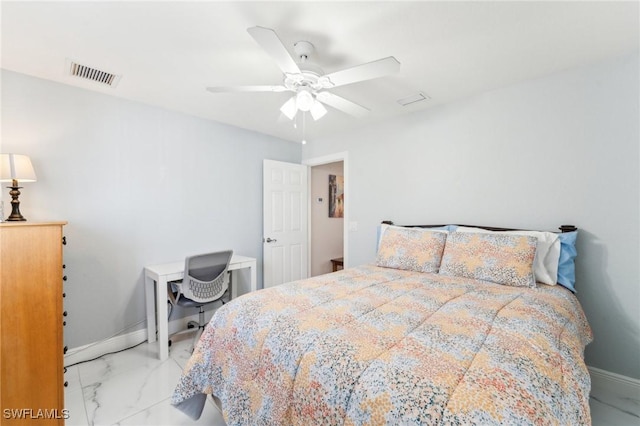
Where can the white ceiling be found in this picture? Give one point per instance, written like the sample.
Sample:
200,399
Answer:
168,52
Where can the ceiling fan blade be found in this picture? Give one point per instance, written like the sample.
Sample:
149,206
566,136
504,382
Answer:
342,104
366,71
247,89
268,39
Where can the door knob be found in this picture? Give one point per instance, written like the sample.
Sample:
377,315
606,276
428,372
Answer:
270,240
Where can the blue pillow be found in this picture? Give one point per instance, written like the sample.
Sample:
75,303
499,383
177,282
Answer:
566,264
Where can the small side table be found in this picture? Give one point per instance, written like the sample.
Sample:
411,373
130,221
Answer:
337,263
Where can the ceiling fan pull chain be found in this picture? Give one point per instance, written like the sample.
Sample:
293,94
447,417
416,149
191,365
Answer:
304,128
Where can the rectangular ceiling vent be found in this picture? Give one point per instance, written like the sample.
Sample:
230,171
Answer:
92,74
419,97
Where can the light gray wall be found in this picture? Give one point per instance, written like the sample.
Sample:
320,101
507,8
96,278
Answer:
563,149
138,185
327,233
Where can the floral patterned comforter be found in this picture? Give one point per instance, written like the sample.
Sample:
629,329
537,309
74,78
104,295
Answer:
371,345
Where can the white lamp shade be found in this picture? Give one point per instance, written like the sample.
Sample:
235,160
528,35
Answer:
318,110
16,166
289,109
304,99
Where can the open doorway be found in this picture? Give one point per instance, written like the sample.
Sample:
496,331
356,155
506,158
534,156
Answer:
326,244
320,251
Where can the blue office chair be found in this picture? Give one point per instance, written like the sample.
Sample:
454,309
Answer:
206,280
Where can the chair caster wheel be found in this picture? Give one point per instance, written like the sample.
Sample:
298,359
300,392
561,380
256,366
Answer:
169,343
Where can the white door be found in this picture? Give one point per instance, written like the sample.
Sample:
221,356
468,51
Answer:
284,222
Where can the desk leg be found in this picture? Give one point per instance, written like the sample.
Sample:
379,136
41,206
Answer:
163,321
149,291
254,279
234,283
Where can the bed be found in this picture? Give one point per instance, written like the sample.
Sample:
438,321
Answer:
448,326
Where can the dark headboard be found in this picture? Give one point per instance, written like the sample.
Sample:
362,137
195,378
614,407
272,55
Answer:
562,228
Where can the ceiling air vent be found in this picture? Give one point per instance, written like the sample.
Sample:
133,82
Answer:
419,97
92,74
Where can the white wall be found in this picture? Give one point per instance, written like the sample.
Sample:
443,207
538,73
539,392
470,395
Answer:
138,185
326,232
563,149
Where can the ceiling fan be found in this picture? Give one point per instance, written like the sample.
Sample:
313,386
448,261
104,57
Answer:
307,81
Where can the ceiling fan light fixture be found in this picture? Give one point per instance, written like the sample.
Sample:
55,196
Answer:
289,109
318,110
304,99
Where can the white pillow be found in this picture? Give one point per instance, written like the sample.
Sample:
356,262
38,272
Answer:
545,264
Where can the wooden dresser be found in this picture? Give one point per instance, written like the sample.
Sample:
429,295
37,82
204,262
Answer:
31,322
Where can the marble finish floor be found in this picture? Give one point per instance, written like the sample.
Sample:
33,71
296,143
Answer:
134,388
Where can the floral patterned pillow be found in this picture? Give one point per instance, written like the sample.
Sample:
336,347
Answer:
411,249
500,258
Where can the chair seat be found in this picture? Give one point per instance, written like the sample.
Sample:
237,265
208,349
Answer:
188,303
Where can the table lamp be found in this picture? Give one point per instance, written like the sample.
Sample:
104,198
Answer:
14,168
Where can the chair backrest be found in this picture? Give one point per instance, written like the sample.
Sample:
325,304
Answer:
205,276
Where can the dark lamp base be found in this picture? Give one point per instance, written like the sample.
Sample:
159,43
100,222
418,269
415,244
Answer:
15,215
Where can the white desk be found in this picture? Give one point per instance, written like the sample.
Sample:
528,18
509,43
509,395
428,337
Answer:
156,278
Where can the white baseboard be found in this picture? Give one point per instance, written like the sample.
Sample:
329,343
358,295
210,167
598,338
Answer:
606,382
120,342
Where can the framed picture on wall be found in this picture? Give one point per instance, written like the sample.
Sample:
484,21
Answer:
336,196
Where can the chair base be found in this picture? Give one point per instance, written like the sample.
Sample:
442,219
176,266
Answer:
193,326
197,327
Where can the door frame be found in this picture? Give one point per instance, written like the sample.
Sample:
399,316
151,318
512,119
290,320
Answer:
318,161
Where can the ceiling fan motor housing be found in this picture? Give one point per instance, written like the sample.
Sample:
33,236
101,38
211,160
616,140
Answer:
303,49
311,75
